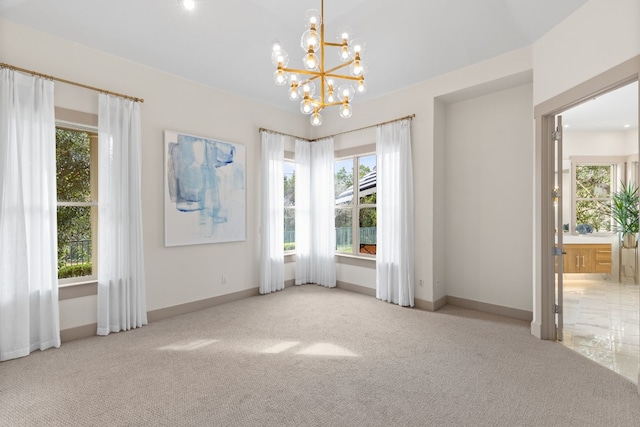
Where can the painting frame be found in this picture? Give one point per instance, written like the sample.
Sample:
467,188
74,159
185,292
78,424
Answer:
204,190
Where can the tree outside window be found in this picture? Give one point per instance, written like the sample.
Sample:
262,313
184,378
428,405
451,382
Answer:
593,195
356,198
289,205
76,180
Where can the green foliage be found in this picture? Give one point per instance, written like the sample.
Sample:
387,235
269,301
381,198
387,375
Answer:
624,209
73,166
343,217
593,188
290,246
73,181
368,200
368,217
290,190
77,270
342,181
363,170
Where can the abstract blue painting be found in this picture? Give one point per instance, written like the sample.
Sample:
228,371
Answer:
205,194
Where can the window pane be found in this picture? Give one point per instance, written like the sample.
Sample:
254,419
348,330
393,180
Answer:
368,231
593,181
343,180
367,179
344,230
289,229
74,241
73,172
289,183
594,213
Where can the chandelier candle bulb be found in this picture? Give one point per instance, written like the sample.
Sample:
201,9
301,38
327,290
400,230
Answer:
313,43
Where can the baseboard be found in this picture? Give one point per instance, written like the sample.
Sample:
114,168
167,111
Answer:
418,303
356,288
514,313
90,330
430,305
536,330
84,331
190,307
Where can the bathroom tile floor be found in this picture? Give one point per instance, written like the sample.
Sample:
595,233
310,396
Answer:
601,321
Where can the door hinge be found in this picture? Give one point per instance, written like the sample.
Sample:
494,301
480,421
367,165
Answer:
556,251
556,135
556,309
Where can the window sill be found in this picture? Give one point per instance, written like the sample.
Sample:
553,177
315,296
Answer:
356,260
341,258
77,289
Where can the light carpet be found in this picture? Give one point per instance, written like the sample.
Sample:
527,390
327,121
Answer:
311,356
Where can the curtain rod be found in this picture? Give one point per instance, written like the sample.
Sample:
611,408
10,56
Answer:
281,133
410,116
35,73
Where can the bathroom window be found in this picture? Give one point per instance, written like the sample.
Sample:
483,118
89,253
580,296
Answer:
593,186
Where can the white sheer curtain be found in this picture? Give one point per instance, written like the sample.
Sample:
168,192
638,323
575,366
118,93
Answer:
323,235
272,214
303,212
28,235
121,281
395,253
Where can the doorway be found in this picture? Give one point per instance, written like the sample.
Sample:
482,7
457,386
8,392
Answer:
549,298
599,284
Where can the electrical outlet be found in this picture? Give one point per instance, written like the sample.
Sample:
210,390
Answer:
437,283
224,279
421,282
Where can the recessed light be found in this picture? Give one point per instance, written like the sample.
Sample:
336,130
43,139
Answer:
566,126
188,4
627,126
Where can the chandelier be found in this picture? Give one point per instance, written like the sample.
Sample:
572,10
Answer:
335,88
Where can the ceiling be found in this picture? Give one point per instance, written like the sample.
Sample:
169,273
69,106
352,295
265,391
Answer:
226,44
613,111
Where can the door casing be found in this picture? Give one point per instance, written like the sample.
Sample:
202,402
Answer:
543,325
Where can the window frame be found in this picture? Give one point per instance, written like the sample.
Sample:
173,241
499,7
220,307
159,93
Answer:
619,173
92,131
355,155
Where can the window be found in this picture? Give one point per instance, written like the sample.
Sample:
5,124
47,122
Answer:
594,184
289,205
77,188
356,198
593,196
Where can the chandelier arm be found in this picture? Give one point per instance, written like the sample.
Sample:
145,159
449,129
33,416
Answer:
331,104
332,44
341,76
295,70
321,105
338,67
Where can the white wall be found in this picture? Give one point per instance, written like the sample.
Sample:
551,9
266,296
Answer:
420,100
175,275
598,36
489,211
599,143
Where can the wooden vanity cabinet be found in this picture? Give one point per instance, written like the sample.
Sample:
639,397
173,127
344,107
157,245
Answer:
587,258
